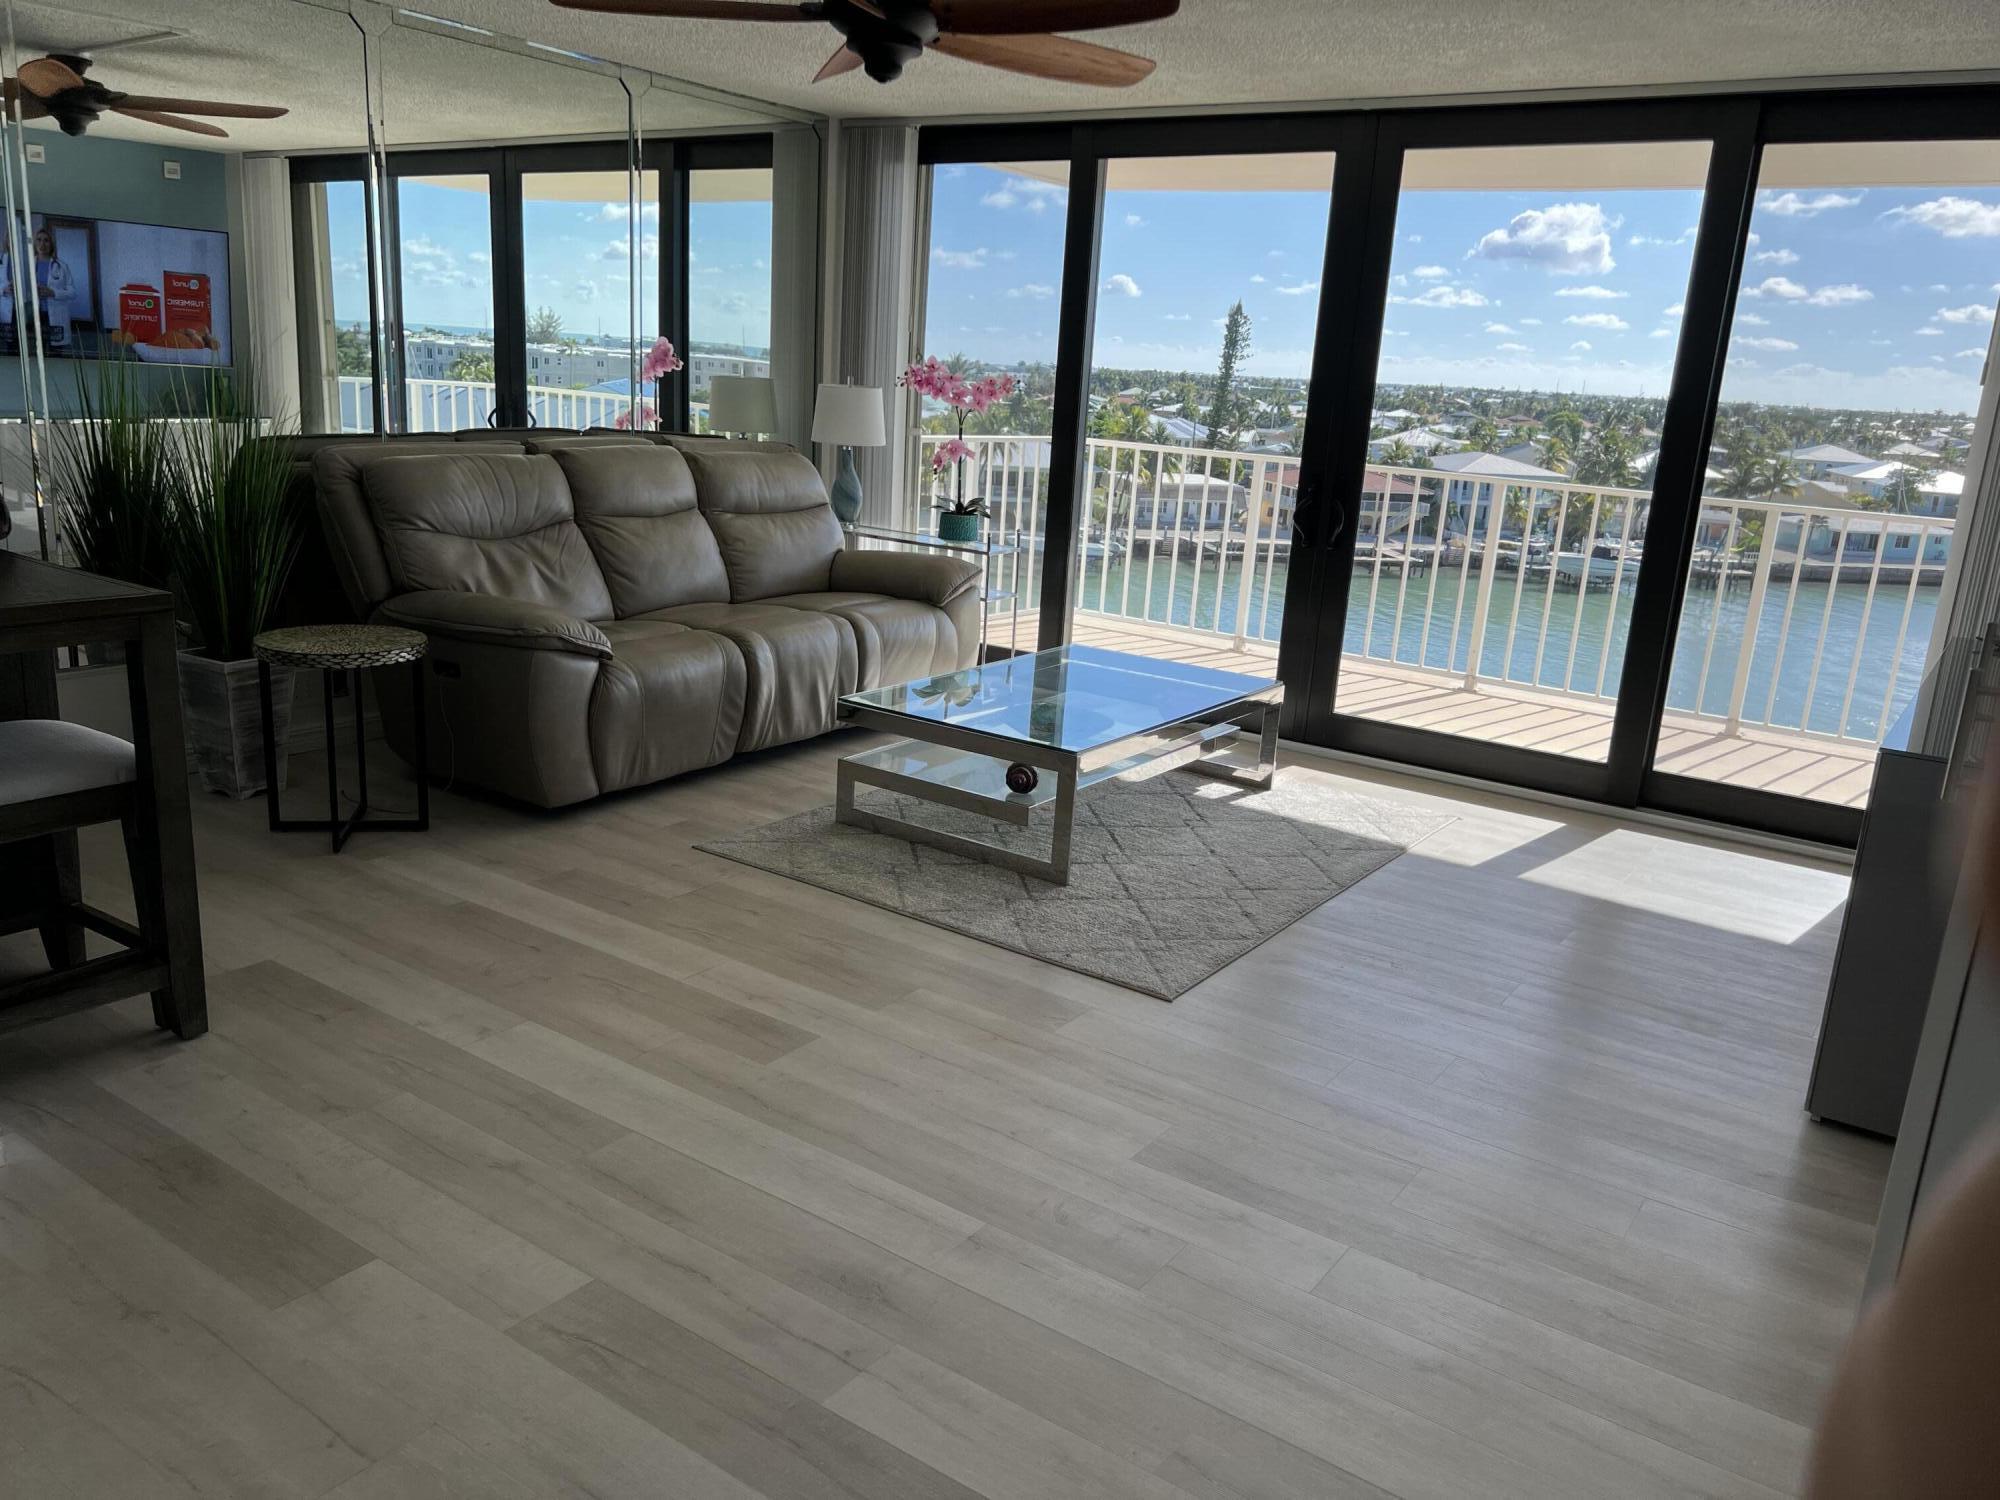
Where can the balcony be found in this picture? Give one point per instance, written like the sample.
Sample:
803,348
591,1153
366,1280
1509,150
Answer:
1497,610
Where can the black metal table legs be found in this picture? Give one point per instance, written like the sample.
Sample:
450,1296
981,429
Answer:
333,824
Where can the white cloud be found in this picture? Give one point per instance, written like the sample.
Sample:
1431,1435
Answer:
1124,285
1661,333
1594,293
1180,317
1257,278
1512,348
1954,218
1498,328
1568,239
1430,273
1611,322
1302,289
1133,221
1446,296
1777,257
959,260
1938,286
1413,239
1039,291
1777,286
1675,311
620,213
1581,346
1531,322
1930,333
1792,206
1972,312
1839,296
1777,344
1750,319
1000,198
1685,237
1970,354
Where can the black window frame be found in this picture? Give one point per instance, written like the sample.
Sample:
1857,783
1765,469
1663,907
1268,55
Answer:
673,157
1370,144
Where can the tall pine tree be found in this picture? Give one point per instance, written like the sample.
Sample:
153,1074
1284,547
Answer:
1227,411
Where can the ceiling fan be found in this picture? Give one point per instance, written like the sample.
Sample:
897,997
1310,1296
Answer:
54,88
881,36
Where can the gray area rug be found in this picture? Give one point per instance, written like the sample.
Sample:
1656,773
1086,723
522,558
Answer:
1171,876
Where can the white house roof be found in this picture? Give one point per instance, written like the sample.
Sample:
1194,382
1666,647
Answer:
1871,472
1828,453
1910,450
1491,465
1944,482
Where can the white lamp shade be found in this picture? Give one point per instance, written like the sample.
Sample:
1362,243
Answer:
849,414
742,403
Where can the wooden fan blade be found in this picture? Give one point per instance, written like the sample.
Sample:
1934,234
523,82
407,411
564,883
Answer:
1024,17
1059,57
175,122
842,61
200,107
26,105
698,10
46,76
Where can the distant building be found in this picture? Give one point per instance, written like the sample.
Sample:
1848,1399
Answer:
1817,460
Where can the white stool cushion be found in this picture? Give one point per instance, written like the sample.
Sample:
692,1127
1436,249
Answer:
48,757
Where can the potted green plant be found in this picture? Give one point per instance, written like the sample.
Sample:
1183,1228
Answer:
111,482
234,530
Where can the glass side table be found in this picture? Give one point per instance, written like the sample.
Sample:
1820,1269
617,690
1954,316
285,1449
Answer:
1006,544
352,649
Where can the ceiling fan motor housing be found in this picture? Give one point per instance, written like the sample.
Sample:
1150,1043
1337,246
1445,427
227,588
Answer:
885,43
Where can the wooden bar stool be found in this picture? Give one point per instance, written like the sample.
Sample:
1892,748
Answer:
56,777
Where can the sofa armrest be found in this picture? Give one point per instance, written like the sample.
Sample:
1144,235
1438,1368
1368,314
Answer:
929,578
496,620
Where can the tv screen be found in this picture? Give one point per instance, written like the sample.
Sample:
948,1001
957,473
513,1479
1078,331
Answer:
105,288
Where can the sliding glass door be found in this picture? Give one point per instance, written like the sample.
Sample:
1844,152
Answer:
1207,311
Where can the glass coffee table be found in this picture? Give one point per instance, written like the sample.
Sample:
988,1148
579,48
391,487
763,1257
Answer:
1012,737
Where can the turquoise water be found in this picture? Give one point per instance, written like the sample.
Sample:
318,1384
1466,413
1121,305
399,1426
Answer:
1573,646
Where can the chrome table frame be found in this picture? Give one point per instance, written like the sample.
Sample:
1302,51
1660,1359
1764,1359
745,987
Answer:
1201,741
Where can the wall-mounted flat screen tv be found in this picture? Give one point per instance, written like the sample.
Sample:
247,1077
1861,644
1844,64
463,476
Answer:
107,289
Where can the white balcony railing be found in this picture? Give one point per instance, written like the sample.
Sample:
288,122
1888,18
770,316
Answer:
450,405
1804,618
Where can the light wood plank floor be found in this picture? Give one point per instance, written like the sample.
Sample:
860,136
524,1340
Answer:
1794,765
542,1155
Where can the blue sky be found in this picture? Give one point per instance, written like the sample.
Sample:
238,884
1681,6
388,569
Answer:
1870,297
576,260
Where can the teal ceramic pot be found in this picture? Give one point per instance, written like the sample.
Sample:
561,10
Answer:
953,527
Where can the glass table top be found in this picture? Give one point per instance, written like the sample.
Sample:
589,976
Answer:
1068,697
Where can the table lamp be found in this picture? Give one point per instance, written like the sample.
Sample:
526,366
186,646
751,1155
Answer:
851,416
742,404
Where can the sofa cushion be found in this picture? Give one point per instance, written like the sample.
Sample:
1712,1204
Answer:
481,523
669,700
636,506
770,516
895,640
797,663
336,463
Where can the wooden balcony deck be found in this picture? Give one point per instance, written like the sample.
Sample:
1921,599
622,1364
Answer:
1770,760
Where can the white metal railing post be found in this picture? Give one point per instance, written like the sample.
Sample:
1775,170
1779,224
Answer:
1759,583
1249,569
1489,564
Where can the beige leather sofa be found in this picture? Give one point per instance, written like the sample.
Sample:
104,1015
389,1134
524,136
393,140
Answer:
608,612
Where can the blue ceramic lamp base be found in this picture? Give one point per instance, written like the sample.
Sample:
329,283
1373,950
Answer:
846,492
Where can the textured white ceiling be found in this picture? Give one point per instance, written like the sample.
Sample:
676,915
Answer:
1241,51
1215,52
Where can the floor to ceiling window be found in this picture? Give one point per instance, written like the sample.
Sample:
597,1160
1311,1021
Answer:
993,283
1208,303
729,280
1533,316
444,248
1618,455
340,393
1830,514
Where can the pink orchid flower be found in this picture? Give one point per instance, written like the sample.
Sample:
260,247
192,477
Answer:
660,360
949,452
646,416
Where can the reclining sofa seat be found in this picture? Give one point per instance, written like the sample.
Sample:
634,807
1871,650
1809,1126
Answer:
608,613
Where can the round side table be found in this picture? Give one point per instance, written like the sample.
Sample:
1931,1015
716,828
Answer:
352,649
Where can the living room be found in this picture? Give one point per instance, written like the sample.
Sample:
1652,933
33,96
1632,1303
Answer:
1107,747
